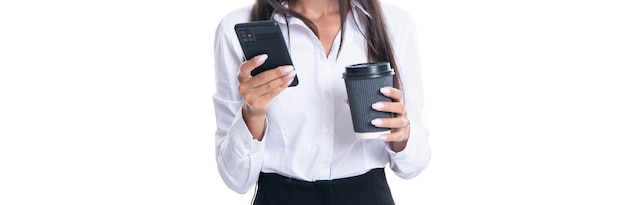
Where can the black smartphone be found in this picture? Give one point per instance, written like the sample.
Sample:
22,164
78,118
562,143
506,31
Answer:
264,37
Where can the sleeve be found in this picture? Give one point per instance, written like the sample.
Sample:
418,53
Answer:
411,161
239,157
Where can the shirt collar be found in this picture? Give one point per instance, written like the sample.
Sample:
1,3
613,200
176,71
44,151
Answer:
353,26
292,20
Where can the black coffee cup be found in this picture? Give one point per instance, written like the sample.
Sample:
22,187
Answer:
363,84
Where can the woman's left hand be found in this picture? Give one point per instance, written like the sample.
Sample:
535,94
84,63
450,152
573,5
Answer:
399,124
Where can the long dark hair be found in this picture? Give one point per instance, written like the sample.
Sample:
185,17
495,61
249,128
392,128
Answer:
375,27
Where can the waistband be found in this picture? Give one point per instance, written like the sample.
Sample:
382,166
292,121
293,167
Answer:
370,188
370,173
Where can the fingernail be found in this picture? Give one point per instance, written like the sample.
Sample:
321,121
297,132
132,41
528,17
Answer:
377,106
377,122
383,138
385,90
261,58
286,69
292,74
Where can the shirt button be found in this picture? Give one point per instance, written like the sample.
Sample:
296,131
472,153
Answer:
326,161
326,129
327,94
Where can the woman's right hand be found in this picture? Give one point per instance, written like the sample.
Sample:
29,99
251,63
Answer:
258,91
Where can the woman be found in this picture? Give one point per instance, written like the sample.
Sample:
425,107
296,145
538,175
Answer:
296,143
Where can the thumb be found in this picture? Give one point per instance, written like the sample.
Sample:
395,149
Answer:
252,63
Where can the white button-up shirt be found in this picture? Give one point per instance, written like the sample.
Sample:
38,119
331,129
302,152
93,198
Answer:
309,134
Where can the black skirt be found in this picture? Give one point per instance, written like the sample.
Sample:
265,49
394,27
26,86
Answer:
370,188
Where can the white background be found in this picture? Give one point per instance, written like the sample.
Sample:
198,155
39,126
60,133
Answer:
109,102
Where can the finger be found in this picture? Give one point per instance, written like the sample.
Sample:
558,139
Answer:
396,136
284,72
393,93
256,92
275,83
268,96
346,101
246,67
393,107
274,92
272,74
398,122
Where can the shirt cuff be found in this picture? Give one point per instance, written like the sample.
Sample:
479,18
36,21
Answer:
241,137
397,156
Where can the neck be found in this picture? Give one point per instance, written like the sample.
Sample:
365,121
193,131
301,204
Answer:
315,9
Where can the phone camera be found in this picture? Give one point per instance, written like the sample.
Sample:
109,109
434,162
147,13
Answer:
246,36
